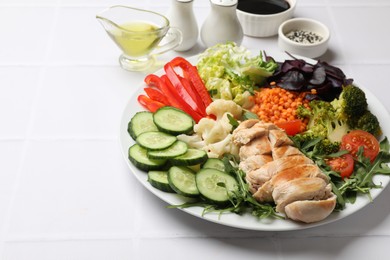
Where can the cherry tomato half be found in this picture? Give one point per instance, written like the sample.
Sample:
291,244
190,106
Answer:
357,138
343,165
291,127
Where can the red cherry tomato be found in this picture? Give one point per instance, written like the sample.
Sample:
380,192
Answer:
357,138
343,165
291,127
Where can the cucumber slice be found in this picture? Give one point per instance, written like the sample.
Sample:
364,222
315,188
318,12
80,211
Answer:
214,163
159,180
178,148
191,157
182,181
173,121
155,140
140,123
215,186
138,156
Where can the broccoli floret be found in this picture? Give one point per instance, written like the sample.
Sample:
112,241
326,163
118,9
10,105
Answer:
318,144
352,107
369,123
324,121
326,147
303,112
351,104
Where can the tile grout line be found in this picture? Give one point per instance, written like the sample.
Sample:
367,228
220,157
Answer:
26,142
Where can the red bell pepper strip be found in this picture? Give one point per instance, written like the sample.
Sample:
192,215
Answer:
191,73
171,94
181,90
156,95
200,108
149,104
182,104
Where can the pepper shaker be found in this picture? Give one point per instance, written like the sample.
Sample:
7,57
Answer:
222,24
181,15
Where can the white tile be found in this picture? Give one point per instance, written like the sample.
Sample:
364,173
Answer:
363,40
73,190
79,38
71,250
376,82
325,248
11,152
19,87
27,39
83,101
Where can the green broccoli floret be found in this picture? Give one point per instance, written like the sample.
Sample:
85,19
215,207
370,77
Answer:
353,108
324,121
369,123
326,147
351,104
318,144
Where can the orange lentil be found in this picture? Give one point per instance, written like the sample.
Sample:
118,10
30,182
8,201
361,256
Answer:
277,105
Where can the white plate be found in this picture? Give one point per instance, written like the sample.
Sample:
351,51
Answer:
248,221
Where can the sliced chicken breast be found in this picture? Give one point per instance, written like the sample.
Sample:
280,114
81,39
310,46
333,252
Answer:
258,146
265,172
264,193
278,138
285,150
254,162
300,189
310,211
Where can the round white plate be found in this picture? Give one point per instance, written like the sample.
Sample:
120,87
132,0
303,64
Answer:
248,221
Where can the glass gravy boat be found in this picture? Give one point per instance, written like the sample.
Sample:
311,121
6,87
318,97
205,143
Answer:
140,34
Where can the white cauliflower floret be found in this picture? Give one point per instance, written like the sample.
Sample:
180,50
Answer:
194,141
214,136
215,150
213,131
220,106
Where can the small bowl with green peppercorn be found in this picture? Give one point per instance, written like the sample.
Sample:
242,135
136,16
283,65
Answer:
303,36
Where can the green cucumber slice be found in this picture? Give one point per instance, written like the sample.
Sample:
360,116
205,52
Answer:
159,180
140,123
214,163
173,121
191,157
178,148
138,157
155,140
215,186
182,181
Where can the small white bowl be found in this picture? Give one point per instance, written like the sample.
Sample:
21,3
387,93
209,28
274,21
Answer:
310,50
264,25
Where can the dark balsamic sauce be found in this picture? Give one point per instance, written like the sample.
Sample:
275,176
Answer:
263,6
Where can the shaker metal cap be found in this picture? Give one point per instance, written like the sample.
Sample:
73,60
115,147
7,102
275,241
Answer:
224,2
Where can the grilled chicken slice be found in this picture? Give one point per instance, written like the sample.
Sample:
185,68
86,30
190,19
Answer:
300,189
278,138
254,162
265,172
310,211
246,132
264,193
251,129
258,146
285,150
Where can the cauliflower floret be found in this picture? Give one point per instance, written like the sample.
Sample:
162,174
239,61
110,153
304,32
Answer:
216,150
220,106
213,131
193,141
214,136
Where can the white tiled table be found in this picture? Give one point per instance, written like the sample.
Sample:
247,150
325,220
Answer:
67,193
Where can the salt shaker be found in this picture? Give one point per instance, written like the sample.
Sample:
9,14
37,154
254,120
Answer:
222,24
181,15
